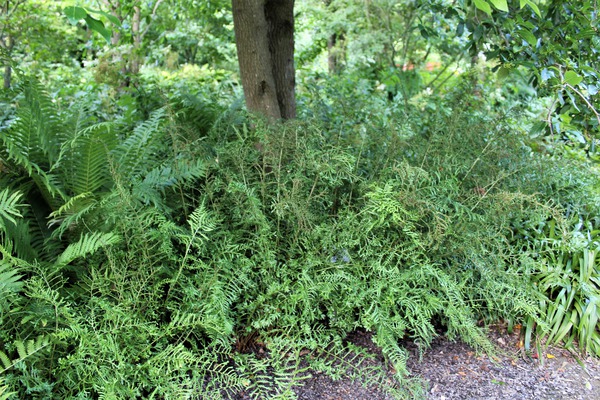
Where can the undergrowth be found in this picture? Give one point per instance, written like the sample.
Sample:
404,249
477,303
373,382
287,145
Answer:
159,261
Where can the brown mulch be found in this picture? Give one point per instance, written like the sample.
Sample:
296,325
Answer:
453,370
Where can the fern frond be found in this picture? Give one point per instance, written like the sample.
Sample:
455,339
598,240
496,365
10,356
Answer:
89,158
4,395
19,238
71,213
25,350
10,283
87,244
139,152
32,136
159,179
9,206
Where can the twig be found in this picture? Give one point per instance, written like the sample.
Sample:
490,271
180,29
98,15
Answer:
590,106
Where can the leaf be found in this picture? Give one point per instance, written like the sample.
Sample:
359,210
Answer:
503,72
99,27
527,36
9,203
532,5
113,20
75,14
483,6
573,78
87,244
501,5
546,74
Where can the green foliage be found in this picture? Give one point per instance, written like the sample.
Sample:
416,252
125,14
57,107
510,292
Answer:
569,277
158,243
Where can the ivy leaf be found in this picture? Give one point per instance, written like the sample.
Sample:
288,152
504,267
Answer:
573,78
75,14
501,5
98,26
483,6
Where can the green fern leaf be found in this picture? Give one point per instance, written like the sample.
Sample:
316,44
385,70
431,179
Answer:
138,154
5,360
9,206
32,137
9,281
87,244
89,159
25,350
21,349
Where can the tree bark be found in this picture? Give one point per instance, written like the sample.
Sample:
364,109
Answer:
137,41
7,76
335,52
264,36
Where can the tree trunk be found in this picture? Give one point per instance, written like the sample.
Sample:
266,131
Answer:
335,46
264,33
8,43
335,52
7,76
137,41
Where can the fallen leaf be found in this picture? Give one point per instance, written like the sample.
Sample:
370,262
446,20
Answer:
549,356
588,385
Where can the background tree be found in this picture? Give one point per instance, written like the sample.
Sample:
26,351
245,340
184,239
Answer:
264,35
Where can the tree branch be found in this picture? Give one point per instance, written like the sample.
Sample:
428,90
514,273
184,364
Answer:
151,18
590,106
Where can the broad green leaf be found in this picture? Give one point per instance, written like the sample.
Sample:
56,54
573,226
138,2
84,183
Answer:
501,5
503,72
527,36
483,6
75,14
113,20
573,78
98,26
533,6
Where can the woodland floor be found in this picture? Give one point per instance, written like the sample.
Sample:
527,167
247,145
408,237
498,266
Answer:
453,370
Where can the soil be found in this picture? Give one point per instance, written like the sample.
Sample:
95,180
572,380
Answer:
453,370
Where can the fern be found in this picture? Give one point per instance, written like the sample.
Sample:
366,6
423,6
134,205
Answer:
152,188
25,350
87,244
10,283
9,206
4,394
88,159
139,153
